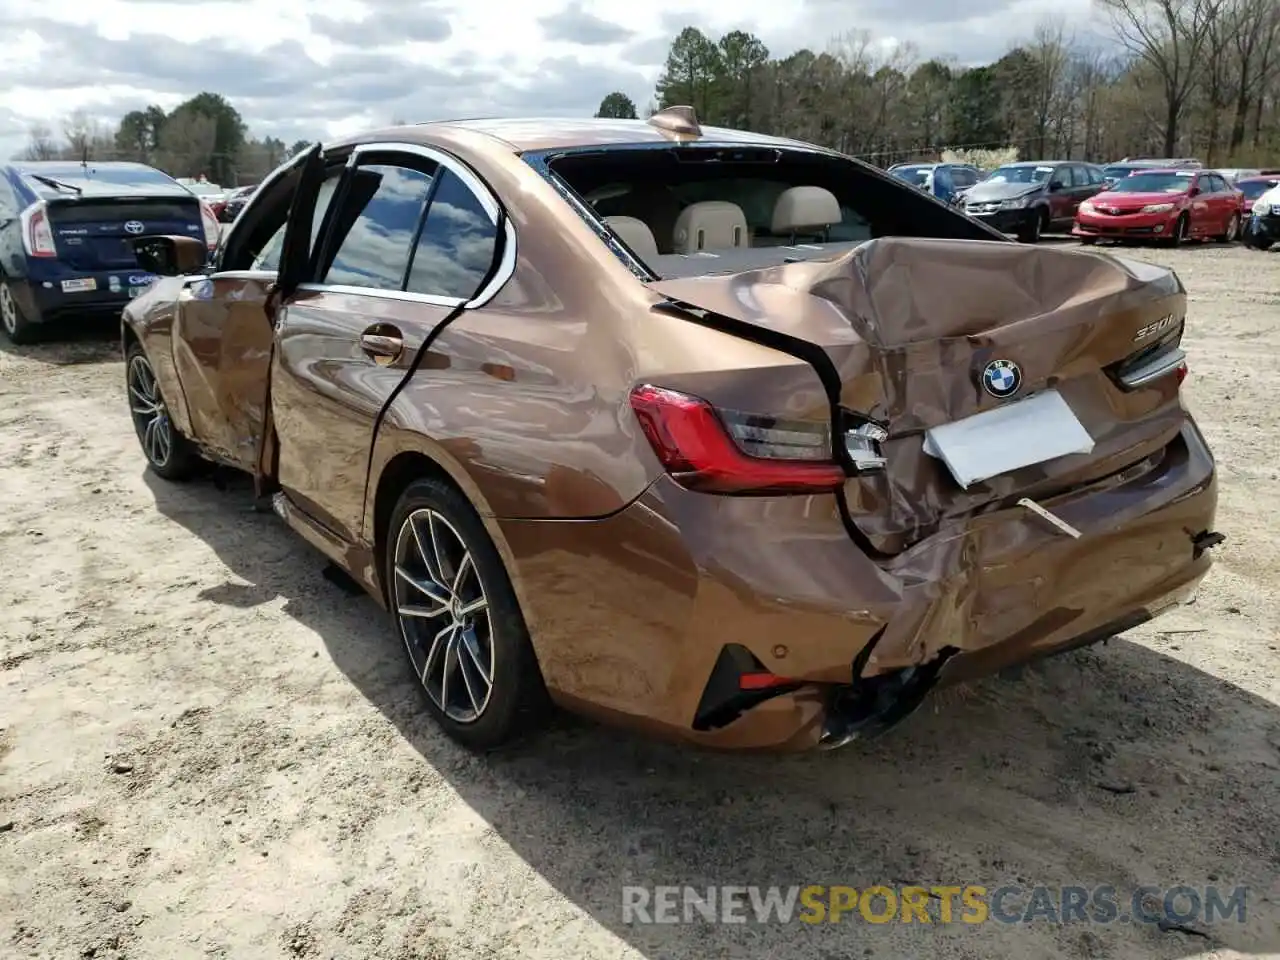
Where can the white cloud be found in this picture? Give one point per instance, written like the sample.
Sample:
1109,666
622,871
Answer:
306,68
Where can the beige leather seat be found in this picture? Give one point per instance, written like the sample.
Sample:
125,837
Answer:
804,211
636,235
711,225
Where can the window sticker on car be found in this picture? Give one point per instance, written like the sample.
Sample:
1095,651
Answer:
1044,169
1184,173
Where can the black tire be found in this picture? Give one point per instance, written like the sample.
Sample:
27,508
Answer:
1088,241
1233,230
432,516
1030,233
169,454
1180,228
14,321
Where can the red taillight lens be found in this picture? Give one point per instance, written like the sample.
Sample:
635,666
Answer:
210,222
37,235
1182,373
723,451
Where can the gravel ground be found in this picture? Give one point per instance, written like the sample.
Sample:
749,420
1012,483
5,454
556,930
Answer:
210,751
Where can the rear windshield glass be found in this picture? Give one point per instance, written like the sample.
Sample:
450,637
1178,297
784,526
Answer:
918,176
1253,189
1027,174
687,211
1155,183
150,211
78,176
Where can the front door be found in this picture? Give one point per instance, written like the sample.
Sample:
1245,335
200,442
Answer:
222,329
221,348
410,244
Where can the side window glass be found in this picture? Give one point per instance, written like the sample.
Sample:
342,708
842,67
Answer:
269,257
377,222
457,245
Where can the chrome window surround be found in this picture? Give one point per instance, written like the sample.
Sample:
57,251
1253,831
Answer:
488,202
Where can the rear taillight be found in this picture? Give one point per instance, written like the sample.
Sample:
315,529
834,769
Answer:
726,451
37,235
210,225
1182,372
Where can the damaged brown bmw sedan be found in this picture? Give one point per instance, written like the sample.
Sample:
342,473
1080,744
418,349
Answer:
710,433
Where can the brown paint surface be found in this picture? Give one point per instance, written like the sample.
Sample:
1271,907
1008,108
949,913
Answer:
630,584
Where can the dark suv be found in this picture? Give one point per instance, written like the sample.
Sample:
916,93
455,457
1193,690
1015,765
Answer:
65,231
1033,196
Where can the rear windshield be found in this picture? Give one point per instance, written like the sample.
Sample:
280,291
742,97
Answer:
79,176
687,211
916,176
87,211
1253,189
1155,183
1027,174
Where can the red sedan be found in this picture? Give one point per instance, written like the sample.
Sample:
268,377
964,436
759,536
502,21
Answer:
1166,205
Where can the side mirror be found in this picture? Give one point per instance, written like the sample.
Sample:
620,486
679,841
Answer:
170,256
1055,185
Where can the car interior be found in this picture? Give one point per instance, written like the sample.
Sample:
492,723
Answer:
692,210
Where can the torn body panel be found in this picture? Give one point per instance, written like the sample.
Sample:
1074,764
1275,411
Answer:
910,325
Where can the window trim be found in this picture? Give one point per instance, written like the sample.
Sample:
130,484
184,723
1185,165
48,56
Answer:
488,201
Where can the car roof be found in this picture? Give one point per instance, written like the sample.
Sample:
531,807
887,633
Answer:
1043,163
526,134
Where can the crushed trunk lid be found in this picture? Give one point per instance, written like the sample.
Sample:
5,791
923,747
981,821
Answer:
911,324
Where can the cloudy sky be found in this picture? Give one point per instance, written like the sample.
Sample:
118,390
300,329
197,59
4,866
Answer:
301,69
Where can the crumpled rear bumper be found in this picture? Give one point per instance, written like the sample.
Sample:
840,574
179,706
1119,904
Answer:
629,614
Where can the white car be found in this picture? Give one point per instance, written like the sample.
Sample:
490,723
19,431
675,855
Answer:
1263,229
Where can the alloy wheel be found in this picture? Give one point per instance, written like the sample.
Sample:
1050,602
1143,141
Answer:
443,615
150,416
1233,228
8,310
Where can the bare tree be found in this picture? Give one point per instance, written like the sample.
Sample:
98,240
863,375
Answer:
1050,52
40,144
187,142
1170,37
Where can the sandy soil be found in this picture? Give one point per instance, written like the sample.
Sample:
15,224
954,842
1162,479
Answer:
210,751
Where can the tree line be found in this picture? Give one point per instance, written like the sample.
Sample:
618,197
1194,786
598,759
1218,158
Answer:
204,136
1183,78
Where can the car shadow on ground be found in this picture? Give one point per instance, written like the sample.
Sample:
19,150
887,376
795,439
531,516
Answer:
1110,766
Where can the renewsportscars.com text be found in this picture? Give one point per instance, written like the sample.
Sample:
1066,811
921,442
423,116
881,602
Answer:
969,904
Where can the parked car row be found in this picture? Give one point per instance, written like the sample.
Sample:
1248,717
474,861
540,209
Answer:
1165,199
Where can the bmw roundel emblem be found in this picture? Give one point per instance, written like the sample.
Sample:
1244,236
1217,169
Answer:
134,226
1001,378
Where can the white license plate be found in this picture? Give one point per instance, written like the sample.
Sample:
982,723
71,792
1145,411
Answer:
80,285
1035,430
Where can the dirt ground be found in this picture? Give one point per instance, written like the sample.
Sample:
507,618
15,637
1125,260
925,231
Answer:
210,751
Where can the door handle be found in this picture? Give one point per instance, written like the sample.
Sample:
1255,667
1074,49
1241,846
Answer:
384,348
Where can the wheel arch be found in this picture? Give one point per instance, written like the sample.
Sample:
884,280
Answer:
400,458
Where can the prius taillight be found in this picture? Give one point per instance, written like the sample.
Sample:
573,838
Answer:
37,234
210,222
714,450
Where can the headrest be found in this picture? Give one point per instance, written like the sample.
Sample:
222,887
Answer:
710,225
635,234
805,208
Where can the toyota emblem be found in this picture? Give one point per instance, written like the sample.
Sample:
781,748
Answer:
134,226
